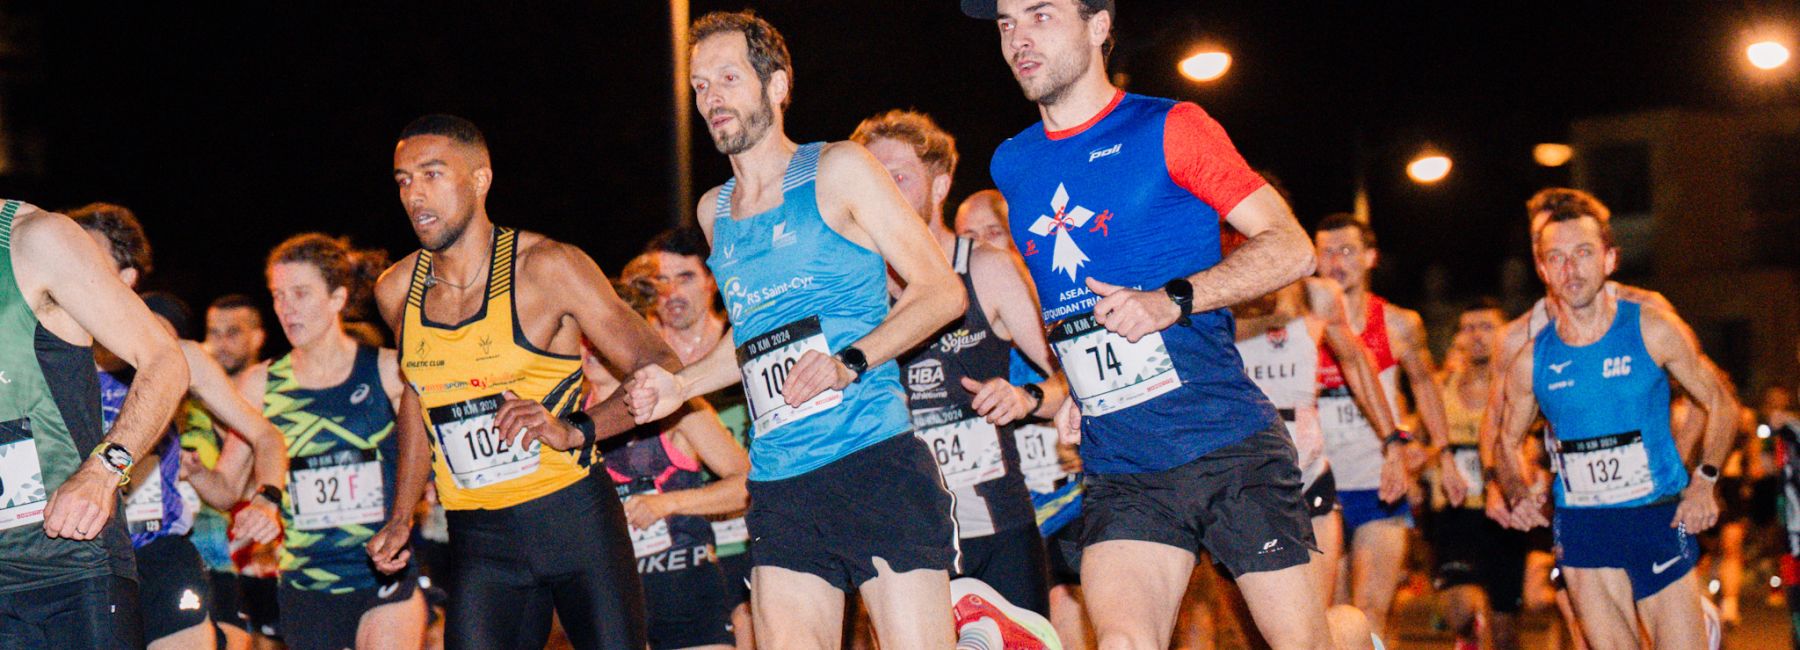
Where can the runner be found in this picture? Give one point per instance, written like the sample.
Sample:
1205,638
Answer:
490,323
1786,433
234,332
1480,564
334,400
1182,451
672,476
685,312
982,217
1625,507
160,506
962,400
1369,462
803,238
67,578
1281,337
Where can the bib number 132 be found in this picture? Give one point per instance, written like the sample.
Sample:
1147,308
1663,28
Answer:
1107,372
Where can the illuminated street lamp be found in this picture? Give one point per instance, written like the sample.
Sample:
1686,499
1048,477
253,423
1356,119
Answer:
1205,66
1428,168
1767,55
1551,154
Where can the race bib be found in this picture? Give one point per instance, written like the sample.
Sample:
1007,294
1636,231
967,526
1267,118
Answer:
967,448
765,362
336,489
1108,373
1340,417
656,538
1605,471
22,494
1468,464
730,531
143,506
1037,457
476,454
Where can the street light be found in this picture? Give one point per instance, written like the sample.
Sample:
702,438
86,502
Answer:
1205,66
1551,154
1429,168
1767,55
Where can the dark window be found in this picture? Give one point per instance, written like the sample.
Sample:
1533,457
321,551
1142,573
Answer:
1619,174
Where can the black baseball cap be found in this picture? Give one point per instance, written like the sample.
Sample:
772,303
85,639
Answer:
987,9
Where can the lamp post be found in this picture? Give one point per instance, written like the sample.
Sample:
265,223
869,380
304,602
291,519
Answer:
681,176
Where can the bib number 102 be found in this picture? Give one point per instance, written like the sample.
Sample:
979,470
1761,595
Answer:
483,443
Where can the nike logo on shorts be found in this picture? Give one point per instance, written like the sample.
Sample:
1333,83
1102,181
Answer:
1660,567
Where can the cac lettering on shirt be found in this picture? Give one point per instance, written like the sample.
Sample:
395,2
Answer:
1616,367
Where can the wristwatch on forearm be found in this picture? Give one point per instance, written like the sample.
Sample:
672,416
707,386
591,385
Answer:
1181,292
116,458
1707,471
269,493
1037,396
855,361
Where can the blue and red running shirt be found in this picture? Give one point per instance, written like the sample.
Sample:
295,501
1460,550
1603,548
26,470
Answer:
1136,197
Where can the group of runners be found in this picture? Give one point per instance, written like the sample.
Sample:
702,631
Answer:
833,400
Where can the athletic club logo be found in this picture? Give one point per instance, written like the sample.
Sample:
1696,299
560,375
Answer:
1278,337
1065,256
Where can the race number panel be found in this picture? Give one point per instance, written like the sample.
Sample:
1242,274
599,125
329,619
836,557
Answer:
476,454
1468,464
336,489
1340,418
1037,457
730,531
22,494
966,447
143,506
1605,471
765,362
656,538
1108,373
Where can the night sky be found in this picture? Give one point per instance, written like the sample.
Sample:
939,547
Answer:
228,127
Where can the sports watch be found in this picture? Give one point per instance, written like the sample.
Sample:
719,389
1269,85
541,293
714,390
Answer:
1708,471
855,360
116,458
1181,292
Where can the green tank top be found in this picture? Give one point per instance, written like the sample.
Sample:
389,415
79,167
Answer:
46,428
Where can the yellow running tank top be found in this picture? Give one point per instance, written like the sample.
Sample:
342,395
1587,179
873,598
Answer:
460,370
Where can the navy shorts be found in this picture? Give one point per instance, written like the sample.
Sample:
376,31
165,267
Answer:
1638,540
1364,506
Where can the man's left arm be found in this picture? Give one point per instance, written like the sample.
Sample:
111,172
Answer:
1414,358
851,181
998,282
1202,160
1674,348
617,333
208,382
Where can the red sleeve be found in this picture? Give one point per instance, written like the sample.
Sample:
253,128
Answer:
1202,160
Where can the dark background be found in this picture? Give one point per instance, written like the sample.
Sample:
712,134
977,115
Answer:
229,126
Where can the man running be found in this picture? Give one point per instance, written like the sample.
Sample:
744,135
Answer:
803,239
685,312
1182,451
161,507
1281,338
1480,564
963,404
67,579
334,400
1626,509
234,332
491,322
1370,461
982,217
